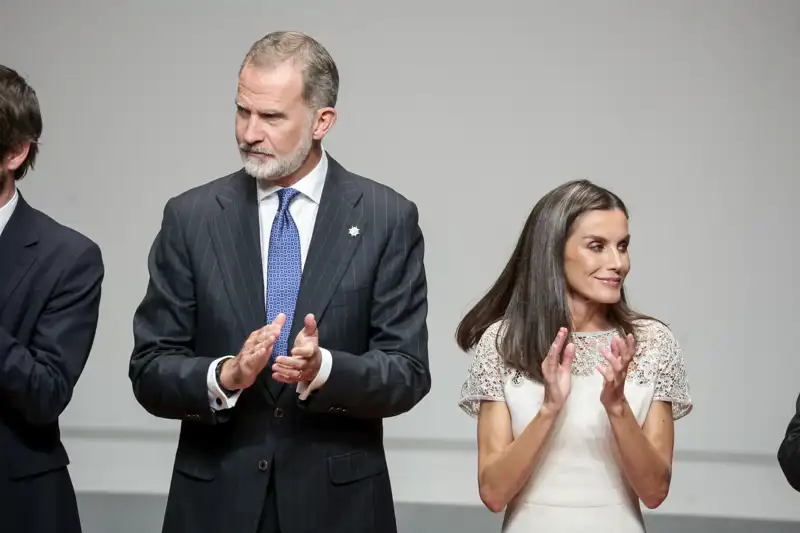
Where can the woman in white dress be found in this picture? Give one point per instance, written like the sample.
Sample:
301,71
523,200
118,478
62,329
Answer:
575,393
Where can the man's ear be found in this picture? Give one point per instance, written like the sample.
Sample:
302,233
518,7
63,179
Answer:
325,119
16,156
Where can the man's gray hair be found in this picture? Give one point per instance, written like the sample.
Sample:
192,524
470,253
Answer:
320,75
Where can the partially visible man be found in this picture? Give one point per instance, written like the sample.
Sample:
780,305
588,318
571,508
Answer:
50,281
284,319
789,451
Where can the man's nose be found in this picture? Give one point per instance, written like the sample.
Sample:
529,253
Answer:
253,134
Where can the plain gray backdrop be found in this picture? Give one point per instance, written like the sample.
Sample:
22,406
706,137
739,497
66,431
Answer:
688,110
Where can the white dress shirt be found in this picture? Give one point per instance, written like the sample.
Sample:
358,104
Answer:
7,210
303,209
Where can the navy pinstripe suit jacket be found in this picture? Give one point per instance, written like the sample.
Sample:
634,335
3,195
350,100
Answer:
206,295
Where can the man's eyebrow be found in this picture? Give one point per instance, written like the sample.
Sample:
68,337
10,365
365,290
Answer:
263,112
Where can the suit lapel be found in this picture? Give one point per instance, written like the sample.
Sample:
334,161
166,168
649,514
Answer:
17,248
236,239
332,246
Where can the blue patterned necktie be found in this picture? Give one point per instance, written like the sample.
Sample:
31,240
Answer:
284,269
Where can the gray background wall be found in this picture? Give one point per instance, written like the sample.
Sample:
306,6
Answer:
687,109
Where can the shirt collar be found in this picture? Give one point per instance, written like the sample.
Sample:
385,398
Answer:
7,210
309,185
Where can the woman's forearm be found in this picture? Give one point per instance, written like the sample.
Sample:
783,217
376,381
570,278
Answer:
506,472
645,468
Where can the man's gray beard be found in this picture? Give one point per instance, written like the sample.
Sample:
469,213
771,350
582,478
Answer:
279,167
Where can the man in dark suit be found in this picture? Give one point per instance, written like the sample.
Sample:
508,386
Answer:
789,450
50,281
285,317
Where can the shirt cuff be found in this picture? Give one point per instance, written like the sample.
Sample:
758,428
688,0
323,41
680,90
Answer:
304,388
216,398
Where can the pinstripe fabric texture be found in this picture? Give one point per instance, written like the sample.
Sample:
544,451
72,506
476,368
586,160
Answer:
368,292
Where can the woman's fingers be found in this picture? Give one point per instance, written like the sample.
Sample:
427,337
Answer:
550,362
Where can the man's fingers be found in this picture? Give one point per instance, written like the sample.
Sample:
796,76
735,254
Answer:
255,363
257,338
286,370
270,330
266,344
304,350
289,380
251,342
310,325
286,375
294,363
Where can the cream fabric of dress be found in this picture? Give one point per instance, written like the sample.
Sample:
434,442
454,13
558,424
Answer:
577,483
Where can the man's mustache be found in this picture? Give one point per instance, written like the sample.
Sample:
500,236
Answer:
244,147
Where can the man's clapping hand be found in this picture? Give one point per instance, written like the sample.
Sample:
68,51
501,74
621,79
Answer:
241,371
306,358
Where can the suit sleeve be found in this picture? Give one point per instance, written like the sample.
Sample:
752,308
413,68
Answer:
37,380
168,379
789,450
394,375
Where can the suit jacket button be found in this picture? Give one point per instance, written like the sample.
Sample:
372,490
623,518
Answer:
278,412
263,465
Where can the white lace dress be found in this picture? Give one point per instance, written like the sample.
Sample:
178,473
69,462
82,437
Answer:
578,483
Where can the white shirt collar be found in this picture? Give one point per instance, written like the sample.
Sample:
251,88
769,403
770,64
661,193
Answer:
310,185
7,210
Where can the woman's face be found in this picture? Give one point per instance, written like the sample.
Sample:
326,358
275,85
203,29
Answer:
596,257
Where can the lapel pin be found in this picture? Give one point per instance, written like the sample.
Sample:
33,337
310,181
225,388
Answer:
353,231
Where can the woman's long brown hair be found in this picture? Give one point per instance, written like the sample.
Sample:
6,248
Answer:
530,296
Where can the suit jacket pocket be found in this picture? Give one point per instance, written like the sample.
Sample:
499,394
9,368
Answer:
354,466
37,463
195,467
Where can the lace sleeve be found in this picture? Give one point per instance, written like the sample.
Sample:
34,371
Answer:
484,378
672,384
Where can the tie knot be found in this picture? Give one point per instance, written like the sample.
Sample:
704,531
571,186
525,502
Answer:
285,196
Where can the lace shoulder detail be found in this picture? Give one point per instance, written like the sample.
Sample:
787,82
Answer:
659,358
485,376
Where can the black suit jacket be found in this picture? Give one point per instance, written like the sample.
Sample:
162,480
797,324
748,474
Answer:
50,282
206,295
789,451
